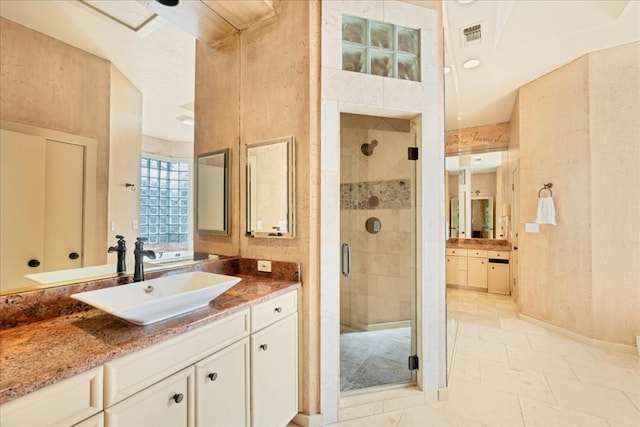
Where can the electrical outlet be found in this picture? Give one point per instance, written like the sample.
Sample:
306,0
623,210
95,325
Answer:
264,266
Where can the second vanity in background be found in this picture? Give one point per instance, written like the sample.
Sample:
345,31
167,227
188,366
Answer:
479,267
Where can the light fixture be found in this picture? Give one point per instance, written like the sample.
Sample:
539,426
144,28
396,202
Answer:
169,2
187,120
447,70
465,1
470,63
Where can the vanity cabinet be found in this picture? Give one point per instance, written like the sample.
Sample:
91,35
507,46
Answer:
499,272
456,267
240,370
169,402
274,362
477,269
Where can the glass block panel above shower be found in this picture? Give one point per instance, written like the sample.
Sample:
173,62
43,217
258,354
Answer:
380,48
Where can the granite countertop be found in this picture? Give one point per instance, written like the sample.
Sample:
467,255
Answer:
38,354
479,244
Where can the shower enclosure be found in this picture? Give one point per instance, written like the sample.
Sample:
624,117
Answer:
378,236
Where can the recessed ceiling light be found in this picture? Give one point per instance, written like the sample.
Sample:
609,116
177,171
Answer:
465,1
447,70
187,120
470,63
459,118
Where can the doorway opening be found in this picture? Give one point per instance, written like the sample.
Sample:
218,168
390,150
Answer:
378,263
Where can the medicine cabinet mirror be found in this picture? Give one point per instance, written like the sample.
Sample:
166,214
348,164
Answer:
270,188
212,213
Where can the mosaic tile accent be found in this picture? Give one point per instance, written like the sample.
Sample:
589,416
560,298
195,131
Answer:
391,194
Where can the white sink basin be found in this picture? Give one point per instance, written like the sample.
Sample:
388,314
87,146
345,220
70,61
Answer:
73,274
153,300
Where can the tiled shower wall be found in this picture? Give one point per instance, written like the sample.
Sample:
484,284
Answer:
377,294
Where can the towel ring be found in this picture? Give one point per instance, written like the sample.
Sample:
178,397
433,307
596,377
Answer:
546,186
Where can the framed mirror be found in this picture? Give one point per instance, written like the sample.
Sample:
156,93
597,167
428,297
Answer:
270,188
212,214
476,192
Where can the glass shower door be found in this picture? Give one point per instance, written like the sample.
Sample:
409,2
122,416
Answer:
378,232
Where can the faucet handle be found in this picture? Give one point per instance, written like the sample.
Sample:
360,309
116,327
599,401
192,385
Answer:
141,239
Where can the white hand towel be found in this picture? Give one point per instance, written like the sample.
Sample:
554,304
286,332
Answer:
546,211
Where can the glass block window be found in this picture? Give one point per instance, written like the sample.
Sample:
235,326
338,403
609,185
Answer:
164,200
380,48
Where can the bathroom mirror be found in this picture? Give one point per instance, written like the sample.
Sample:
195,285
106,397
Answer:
473,208
270,189
212,202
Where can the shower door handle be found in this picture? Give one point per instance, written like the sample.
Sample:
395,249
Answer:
346,260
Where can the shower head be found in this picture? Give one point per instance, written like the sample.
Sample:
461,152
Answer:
367,148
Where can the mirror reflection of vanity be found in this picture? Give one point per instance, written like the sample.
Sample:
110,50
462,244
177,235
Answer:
476,207
270,188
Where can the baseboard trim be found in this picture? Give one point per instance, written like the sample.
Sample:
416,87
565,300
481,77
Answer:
605,345
304,420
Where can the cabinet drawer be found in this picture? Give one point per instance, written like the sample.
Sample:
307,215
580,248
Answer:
273,310
476,253
130,374
65,403
499,254
456,251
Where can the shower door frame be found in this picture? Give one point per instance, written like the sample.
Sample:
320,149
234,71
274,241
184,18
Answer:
373,135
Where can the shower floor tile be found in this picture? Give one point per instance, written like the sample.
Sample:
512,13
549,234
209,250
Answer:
373,358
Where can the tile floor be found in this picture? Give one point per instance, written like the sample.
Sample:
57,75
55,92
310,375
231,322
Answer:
507,372
373,358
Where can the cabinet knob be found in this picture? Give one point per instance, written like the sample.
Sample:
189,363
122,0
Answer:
278,310
213,376
74,255
264,347
33,263
178,397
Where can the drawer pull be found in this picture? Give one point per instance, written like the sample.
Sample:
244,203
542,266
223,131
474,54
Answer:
178,397
278,310
213,376
264,347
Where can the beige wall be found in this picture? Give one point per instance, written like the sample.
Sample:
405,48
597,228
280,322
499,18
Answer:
578,128
217,107
49,84
124,156
257,88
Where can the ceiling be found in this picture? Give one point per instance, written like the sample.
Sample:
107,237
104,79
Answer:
520,41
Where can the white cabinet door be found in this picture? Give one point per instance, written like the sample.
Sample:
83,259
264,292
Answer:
477,270
167,403
499,278
274,373
222,387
